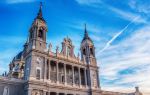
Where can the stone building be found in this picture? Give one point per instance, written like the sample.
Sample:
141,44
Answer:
36,70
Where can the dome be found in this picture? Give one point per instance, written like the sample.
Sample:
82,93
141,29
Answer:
18,56
86,38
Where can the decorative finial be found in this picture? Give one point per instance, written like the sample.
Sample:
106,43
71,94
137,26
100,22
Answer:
28,40
57,49
50,47
85,26
3,75
86,33
78,54
41,5
40,11
137,89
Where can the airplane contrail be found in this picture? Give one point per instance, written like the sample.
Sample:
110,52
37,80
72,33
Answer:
118,34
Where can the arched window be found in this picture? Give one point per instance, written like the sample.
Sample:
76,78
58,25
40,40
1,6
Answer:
40,34
84,51
91,51
6,91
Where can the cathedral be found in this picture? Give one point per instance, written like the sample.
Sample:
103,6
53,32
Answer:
37,70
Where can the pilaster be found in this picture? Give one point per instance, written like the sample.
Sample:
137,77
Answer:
45,70
73,75
29,91
65,74
79,77
49,70
85,76
57,73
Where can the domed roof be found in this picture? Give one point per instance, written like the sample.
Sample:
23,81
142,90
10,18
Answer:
86,37
18,56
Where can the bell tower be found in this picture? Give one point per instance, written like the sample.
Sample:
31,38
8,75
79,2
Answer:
88,49
35,45
88,56
37,33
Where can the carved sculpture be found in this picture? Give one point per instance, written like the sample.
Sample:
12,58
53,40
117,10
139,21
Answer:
50,47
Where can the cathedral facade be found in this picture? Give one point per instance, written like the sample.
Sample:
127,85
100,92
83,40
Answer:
37,70
60,72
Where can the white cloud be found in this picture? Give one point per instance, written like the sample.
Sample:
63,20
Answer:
117,35
81,26
6,58
132,53
8,53
126,15
140,6
88,2
19,1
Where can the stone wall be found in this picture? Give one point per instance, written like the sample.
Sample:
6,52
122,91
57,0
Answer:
11,86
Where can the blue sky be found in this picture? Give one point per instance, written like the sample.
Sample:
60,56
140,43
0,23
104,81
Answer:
120,30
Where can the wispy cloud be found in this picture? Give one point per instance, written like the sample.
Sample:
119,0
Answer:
88,2
140,6
117,35
127,64
126,15
80,25
8,53
19,1
6,58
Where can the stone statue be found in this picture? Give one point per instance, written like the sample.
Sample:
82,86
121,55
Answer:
37,93
6,91
78,55
50,47
57,49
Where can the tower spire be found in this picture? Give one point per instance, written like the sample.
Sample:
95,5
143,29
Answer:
40,16
85,33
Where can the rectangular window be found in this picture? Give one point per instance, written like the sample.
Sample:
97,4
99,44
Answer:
38,74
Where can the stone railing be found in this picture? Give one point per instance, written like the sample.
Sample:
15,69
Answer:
11,79
67,58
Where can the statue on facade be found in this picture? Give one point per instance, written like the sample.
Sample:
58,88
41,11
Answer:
50,48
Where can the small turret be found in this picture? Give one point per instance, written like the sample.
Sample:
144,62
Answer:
137,89
137,92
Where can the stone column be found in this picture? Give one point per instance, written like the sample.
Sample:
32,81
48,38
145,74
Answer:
57,73
85,76
73,75
57,93
65,74
44,92
45,70
29,91
49,70
79,77
98,83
